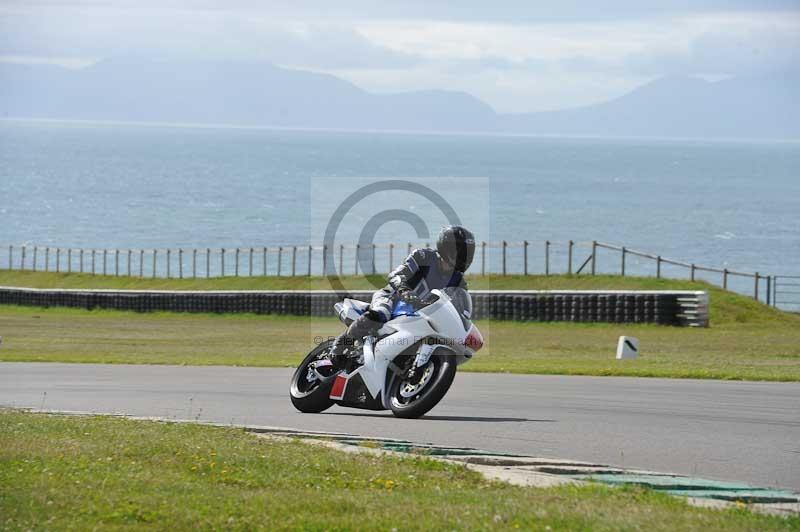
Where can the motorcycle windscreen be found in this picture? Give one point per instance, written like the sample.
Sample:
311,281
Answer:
401,308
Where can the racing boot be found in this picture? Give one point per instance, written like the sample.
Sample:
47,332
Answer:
346,344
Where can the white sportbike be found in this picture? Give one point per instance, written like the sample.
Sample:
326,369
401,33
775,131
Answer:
406,367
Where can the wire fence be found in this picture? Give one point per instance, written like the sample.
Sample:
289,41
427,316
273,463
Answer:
786,292
503,257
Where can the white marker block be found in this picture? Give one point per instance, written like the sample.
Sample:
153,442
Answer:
627,347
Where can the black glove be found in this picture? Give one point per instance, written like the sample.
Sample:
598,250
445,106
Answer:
406,294
430,299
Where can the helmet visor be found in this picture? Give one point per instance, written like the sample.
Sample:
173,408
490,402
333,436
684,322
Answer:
458,253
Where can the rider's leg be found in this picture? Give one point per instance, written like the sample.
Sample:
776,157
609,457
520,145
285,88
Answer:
380,312
366,324
383,302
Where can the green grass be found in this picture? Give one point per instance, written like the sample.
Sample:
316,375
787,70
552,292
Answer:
747,340
731,351
83,473
493,281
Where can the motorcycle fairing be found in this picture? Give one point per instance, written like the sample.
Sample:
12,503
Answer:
410,331
350,390
394,338
350,309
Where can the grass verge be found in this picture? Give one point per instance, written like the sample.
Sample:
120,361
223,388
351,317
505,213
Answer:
747,340
301,282
60,472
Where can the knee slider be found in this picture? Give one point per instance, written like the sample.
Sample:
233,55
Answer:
374,315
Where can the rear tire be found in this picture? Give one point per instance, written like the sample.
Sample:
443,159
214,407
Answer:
444,371
308,397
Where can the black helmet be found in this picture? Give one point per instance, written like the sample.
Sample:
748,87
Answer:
456,245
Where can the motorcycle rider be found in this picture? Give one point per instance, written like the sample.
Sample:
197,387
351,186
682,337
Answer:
424,270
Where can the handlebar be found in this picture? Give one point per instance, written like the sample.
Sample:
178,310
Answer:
418,302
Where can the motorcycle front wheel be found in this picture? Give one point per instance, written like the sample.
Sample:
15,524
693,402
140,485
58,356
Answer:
308,393
413,398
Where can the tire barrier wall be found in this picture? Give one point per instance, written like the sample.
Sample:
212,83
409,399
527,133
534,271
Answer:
680,308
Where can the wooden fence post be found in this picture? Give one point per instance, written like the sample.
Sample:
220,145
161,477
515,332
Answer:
569,257
547,257
505,245
755,290
525,258
769,289
775,291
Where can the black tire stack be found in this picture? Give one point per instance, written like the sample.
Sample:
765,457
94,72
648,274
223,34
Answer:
665,308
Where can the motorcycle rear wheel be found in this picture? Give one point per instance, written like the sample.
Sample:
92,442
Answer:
443,368
309,397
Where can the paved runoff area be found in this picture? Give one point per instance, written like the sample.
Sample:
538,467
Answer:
742,432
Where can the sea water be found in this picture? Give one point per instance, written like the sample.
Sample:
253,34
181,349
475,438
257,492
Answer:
721,204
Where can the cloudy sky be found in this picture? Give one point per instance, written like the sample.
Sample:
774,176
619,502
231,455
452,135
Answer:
514,55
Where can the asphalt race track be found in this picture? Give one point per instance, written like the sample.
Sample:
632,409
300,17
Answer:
737,431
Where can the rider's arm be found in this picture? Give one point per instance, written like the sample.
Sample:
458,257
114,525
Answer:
411,271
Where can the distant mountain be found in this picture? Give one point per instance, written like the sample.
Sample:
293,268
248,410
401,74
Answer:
680,107
262,94
229,93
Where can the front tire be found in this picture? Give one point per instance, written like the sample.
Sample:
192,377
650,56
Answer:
437,375
308,396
